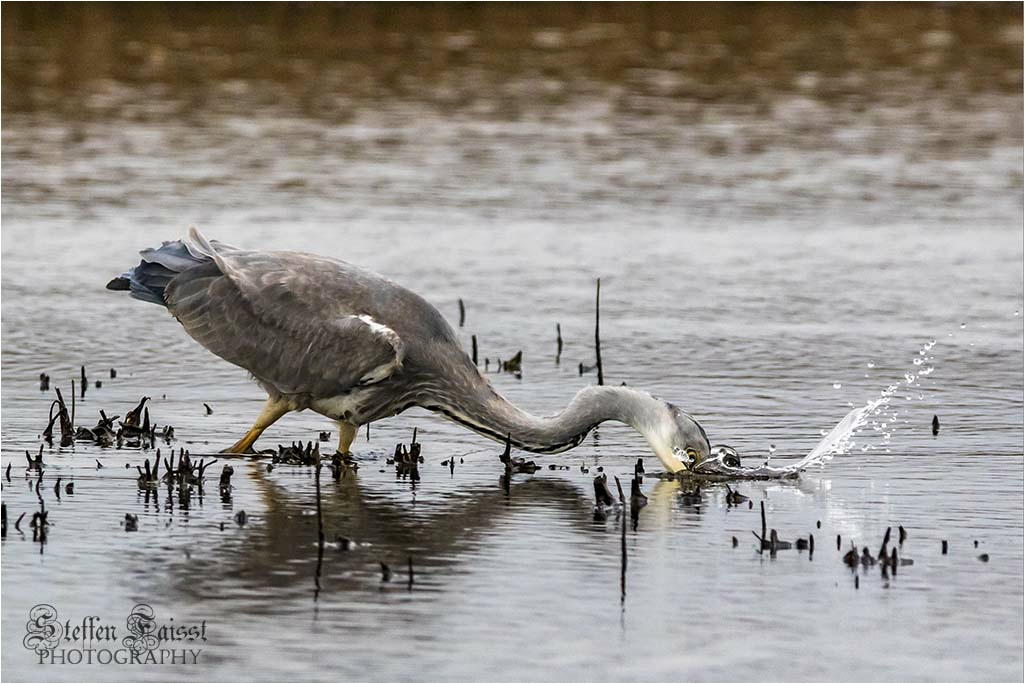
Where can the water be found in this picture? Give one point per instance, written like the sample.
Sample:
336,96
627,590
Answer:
778,235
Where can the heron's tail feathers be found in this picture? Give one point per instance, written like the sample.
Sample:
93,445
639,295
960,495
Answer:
148,280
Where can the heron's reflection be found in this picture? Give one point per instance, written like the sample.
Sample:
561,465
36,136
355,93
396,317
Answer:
281,555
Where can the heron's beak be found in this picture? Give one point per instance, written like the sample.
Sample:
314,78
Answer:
671,459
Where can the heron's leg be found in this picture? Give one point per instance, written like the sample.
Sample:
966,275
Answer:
346,434
272,410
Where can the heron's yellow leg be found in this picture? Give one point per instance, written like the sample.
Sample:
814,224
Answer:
346,434
272,410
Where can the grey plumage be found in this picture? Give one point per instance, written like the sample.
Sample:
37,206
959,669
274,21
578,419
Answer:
322,334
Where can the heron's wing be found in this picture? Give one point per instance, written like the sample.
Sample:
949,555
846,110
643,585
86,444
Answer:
294,321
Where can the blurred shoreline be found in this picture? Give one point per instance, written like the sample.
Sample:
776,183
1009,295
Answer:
496,59
866,113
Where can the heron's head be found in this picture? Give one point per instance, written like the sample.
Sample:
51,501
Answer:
678,440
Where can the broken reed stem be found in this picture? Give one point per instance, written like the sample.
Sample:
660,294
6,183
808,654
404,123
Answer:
597,335
763,520
320,529
462,313
622,543
320,517
558,343
473,344
72,404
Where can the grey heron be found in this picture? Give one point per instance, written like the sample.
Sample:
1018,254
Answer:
321,334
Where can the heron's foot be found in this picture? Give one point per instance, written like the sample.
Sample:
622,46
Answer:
248,451
244,445
342,463
344,459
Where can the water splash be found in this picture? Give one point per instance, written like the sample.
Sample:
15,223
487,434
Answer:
838,441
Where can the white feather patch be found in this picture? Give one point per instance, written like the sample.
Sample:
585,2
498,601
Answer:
392,338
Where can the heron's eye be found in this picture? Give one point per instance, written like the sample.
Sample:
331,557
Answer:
692,453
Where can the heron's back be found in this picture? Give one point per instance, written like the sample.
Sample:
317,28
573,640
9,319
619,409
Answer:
300,323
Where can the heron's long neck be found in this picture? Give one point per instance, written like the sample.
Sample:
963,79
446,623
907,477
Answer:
489,413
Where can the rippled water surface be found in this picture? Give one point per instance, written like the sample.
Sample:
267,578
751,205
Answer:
785,206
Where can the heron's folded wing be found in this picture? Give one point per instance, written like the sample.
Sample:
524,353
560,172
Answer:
291,324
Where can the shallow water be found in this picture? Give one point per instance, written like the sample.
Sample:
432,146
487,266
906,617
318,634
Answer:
777,238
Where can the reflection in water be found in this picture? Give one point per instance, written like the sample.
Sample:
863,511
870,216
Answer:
367,525
381,529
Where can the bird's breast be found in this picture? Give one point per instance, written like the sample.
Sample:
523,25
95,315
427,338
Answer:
357,406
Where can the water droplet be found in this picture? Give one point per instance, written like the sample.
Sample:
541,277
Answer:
772,449
1017,313
871,364
917,362
963,326
823,433
837,385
